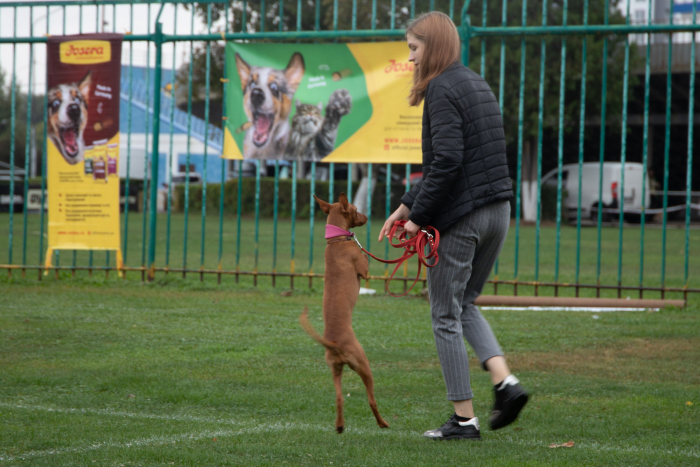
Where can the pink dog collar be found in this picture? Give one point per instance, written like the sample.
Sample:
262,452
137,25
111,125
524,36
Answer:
335,231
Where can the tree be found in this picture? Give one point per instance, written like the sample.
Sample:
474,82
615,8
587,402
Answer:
20,113
552,80
492,57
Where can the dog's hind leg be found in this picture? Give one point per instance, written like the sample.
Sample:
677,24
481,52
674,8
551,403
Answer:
337,369
361,366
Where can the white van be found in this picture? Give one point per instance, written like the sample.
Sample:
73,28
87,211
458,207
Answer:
612,182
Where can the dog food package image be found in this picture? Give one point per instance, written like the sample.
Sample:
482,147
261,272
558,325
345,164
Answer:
321,102
83,75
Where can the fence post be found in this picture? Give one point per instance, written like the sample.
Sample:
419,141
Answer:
158,40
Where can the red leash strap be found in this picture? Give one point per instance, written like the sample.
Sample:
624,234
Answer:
426,237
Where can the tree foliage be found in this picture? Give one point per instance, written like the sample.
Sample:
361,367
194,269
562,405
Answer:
20,115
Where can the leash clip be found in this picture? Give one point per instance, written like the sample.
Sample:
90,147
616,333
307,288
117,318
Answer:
357,241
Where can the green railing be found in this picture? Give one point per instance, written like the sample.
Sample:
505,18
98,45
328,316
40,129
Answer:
259,247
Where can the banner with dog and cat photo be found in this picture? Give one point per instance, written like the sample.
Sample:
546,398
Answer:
321,102
83,142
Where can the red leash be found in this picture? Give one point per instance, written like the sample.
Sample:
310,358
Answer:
426,237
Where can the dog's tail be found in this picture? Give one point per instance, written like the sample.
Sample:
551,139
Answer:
304,321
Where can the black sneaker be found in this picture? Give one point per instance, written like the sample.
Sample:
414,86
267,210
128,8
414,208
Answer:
510,400
452,429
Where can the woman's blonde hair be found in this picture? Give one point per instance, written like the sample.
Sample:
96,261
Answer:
442,48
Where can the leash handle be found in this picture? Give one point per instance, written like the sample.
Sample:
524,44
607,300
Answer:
426,237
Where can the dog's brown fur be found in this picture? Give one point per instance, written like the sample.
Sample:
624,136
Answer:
345,266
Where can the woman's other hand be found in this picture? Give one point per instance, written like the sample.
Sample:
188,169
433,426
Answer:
411,229
401,214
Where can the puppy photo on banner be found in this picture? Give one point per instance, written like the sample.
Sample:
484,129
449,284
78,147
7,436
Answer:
83,75
321,102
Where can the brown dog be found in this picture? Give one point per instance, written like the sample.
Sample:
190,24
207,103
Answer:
345,265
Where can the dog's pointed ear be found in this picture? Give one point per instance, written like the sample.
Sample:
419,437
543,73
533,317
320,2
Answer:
84,86
343,200
325,206
295,71
243,70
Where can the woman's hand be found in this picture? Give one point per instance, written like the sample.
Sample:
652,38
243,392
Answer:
401,214
411,229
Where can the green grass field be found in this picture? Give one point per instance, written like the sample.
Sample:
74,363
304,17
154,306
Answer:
121,373
674,264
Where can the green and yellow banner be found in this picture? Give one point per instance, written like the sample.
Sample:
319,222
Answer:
321,102
83,142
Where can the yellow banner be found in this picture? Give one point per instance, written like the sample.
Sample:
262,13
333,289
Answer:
84,198
393,133
321,102
83,143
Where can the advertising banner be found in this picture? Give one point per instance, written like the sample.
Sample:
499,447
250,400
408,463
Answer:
321,102
83,142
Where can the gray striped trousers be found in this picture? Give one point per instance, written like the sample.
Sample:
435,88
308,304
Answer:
468,251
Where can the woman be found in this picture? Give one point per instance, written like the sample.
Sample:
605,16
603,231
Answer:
464,193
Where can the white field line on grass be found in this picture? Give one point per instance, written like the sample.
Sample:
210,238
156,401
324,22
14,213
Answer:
247,428
566,308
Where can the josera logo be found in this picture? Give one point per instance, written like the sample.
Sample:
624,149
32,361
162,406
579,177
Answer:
85,52
398,67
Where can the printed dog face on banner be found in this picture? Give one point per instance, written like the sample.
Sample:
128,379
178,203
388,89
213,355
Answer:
68,117
267,101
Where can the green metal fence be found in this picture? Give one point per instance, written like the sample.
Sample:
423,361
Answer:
602,269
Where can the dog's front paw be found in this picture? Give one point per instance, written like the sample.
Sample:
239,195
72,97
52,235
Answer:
339,104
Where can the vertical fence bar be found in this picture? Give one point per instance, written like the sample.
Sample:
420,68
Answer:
603,115
262,15
349,180
128,141
335,15
299,15
169,173
207,75
540,134
43,176
158,41
645,151
354,14
331,182
623,156
689,174
294,220
317,16
582,119
484,10
239,214
311,222
408,188
560,152
369,204
387,212
224,162
257,220
521,115
280,10
244,18
146,158
190,73
13,105
667,149
274,217
501,91
27,144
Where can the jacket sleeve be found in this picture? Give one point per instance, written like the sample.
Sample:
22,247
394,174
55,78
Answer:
447,142
410,196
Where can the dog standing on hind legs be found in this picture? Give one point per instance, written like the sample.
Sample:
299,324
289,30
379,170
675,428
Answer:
345,266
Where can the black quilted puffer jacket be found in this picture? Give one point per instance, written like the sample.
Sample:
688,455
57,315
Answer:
464,150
